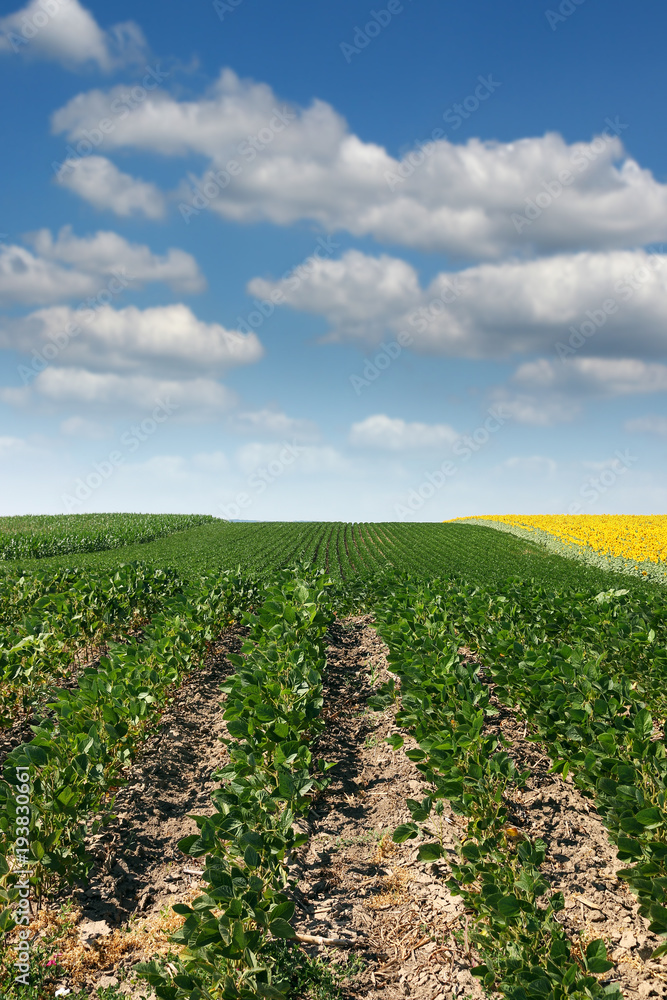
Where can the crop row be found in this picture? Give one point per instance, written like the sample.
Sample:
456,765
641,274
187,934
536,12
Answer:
233,932
92,732
46,619
525,951
44,535
600,713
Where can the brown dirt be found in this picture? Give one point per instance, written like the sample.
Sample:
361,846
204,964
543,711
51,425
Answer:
356,884
140,872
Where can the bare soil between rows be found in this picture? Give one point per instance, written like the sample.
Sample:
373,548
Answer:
406,935
356,884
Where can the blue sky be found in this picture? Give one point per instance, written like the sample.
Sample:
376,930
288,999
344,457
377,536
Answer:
333,261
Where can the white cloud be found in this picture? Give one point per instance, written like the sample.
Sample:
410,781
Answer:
393,434
358,294
63,31
490,310
129,394
593,376
29,280
544,410
167,340
648,425
100,182
106,251
70,267
545,392
273,423
306,164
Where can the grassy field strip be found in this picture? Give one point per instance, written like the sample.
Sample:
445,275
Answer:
77,756
525,950
47,620
47,535
234,932
594,720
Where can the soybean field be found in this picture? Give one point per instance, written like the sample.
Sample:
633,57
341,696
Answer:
327,760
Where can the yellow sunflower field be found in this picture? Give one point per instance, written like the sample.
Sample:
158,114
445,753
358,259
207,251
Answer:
636,537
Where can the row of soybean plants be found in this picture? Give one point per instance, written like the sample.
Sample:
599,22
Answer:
234,934
47,617
90,733
590,676
525,952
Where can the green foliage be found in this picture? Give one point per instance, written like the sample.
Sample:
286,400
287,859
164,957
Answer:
525,950
583,653
92,731
40,535
272,712
357,554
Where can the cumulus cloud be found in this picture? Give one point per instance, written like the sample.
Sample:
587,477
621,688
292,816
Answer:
29,280
273,423
106,251
129,394
63,31
490,310
167,340
472,199
545,392
648,425
99,181
593,376
70,267
358,294
385,433
544,410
